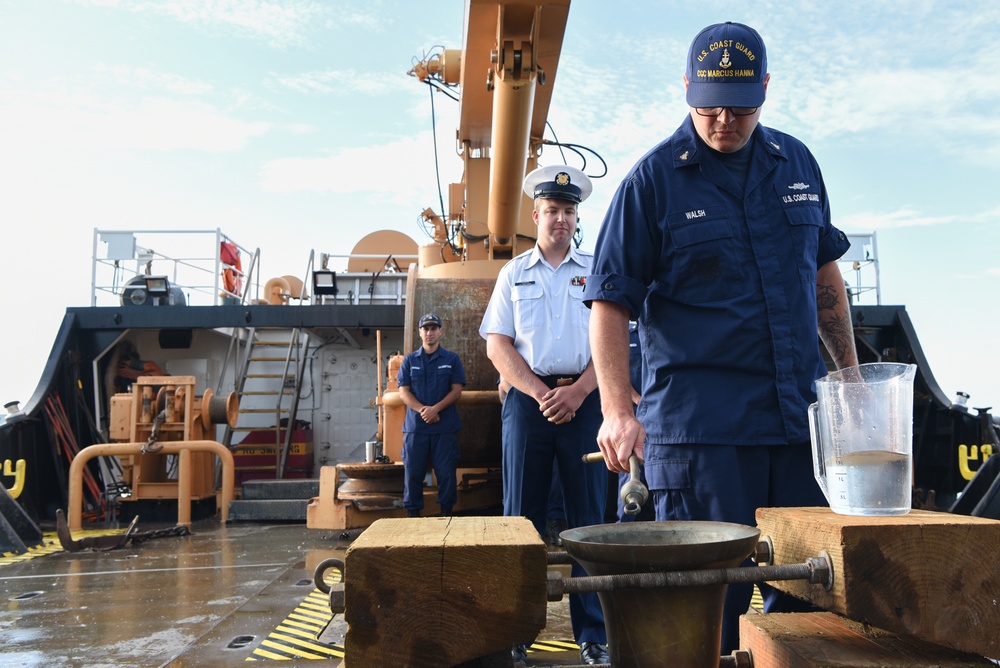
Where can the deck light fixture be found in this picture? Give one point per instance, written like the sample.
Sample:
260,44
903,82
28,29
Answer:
324,282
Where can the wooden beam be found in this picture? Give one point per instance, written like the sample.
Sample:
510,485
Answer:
825,640
441,591
925,574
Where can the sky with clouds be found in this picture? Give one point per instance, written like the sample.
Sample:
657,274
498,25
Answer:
293,126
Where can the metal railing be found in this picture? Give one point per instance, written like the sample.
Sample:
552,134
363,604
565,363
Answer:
860,269
191,262
387,286
124,258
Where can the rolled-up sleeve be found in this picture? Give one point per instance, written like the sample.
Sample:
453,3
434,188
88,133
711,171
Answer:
616,288
832,246
624,256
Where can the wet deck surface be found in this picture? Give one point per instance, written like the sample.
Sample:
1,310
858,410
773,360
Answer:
222,596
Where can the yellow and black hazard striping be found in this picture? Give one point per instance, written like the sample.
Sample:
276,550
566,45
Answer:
553,646
50,545
297,637
756,602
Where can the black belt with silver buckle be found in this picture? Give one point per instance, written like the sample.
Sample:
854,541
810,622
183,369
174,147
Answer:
560,379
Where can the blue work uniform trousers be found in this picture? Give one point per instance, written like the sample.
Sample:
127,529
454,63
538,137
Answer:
728,483
530,444
441,452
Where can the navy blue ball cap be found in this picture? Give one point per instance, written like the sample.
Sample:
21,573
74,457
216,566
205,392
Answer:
429,319
558,182
726,67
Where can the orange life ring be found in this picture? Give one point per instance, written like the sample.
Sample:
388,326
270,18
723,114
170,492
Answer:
232,275
232,280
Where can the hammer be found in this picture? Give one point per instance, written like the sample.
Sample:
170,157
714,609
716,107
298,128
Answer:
633,492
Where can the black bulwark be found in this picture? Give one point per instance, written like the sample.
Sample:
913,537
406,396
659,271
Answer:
257,315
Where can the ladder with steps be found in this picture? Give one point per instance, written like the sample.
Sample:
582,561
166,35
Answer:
268,384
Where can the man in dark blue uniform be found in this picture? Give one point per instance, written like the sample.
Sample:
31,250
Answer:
535,328
430,382
720,242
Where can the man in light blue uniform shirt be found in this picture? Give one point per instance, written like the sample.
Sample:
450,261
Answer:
720,242
535,328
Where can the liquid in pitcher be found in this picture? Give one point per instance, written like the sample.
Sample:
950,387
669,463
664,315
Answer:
870,482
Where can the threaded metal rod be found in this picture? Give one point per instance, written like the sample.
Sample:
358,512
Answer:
816,570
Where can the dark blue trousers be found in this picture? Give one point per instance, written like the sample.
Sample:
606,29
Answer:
725,483
439,451
530,444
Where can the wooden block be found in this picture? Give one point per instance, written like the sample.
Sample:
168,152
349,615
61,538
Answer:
320,509
439,591
121,417
926,574
826,640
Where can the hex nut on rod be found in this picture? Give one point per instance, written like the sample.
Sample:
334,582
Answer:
821,568
741,658
764,553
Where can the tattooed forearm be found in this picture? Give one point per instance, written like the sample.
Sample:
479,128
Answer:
838,336
834,317
827,299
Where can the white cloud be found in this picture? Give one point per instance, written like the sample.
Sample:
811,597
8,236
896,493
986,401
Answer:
85,121
343,82
837,77
281,24
908,217
143,78
891,220
387,170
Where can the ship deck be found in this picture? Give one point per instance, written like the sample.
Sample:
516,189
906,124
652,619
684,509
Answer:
221,596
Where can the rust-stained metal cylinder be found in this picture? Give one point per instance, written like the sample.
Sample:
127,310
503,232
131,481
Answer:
461,304
512,105
679,627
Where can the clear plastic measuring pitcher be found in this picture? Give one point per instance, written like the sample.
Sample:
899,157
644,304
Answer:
861,428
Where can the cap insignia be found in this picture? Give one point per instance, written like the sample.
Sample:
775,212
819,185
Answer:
725,63
562,178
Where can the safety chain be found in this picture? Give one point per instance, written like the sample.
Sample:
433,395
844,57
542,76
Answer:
113,542
179,530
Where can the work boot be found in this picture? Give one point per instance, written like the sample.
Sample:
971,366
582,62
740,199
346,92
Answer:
592,653
553,527
413,512
519,655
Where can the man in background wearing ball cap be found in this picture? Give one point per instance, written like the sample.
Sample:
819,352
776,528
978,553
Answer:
719,241
430,380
